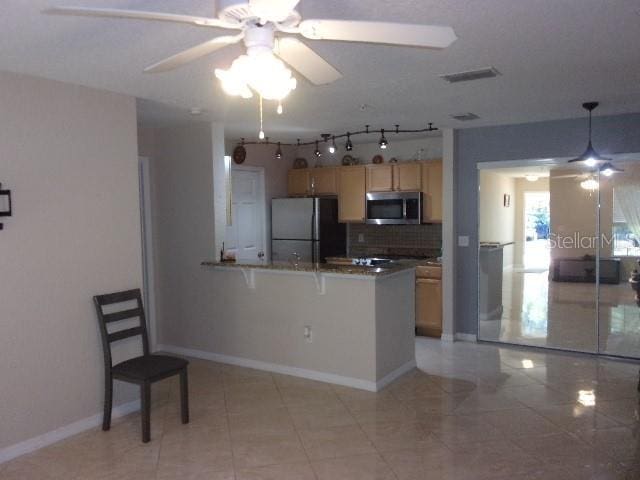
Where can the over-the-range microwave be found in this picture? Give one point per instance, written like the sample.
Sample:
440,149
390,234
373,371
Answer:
394,208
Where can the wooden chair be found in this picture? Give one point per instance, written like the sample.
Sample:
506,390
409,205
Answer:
142,370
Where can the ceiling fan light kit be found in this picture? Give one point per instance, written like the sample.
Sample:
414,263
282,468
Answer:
268,28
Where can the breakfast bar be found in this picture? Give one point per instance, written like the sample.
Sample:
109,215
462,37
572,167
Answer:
348,325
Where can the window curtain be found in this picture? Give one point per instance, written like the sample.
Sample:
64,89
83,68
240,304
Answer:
627,197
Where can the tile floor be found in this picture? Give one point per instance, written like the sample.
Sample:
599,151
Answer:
543,313
469,411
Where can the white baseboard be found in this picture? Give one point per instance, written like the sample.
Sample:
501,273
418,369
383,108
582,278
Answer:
495,314
287,370
466,337
398,372
447,337
36,443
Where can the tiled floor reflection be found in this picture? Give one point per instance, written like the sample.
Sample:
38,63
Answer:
468,412
540,312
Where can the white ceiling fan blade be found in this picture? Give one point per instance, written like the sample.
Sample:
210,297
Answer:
428,36
273,10
307,62
193,53
138,15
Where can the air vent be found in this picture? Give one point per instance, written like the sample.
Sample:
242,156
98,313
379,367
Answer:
470,75
465,117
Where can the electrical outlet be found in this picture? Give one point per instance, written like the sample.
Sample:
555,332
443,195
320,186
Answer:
308,334
361,238
463,240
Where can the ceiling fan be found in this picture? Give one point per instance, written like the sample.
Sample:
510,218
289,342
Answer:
268,28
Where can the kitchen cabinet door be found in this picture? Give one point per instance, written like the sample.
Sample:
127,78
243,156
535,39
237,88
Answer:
432,191
380,178
324,181
299,183
351,194
407,177
429,307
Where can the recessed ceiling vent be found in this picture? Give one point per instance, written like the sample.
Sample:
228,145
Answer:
465,117
470,75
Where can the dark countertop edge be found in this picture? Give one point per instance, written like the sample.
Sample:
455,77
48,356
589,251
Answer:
309,268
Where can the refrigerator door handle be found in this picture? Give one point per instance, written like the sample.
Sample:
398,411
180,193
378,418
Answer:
313,235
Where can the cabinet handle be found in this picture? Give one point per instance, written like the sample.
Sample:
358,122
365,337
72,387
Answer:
430,281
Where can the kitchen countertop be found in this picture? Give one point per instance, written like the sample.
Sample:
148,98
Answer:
387,269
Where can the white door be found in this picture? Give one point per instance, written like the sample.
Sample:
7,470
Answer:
246,235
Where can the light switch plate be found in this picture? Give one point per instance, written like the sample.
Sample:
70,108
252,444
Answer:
361,238
463,240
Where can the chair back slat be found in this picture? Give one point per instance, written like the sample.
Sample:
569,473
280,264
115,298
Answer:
125,333
123,315
103,318
118,297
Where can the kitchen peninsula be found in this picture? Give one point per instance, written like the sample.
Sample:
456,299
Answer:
347,325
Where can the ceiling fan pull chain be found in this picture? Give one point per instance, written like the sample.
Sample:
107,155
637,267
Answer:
261,134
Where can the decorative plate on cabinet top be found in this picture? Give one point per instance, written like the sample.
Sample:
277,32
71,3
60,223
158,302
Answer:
239,154
347,160
300,163
377,159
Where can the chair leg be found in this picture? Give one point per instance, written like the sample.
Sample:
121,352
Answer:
108,402
184,396
145,404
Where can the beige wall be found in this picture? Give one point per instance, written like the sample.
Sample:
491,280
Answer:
522,186
497,222
362,329
574,212
69,156
183,218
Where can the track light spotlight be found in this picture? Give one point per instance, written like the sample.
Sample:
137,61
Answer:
383,141
317,153
348,146
332,147
279,152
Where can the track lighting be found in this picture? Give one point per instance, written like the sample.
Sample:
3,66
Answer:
383,141
279,152
317,153
279,110
332,147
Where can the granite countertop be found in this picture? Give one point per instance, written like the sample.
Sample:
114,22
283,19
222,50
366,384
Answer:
317,267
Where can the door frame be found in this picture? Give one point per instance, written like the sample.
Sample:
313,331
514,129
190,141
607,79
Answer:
147,251
262,194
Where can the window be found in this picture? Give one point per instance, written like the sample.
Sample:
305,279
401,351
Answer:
625,243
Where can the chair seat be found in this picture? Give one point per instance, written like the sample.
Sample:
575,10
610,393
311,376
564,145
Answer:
149,367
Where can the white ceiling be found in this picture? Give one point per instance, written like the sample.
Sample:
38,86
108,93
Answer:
553,56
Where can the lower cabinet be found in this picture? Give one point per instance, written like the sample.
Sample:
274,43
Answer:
429,305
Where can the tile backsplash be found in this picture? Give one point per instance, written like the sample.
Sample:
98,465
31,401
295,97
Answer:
410,240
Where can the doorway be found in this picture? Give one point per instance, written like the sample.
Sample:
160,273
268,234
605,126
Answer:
246,236
536,216
574,249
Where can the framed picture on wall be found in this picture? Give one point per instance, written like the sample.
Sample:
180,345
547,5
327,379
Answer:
507,200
